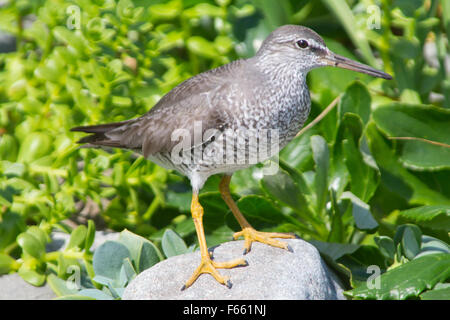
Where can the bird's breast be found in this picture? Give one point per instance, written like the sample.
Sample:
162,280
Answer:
282,108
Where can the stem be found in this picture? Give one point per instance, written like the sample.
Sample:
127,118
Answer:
320,116
10,248
440,144
66,254
36,169
152,208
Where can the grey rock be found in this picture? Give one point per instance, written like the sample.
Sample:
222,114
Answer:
13,287
272,273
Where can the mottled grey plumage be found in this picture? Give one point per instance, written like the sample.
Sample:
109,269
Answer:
265,92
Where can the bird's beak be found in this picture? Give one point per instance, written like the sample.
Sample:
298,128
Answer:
335,60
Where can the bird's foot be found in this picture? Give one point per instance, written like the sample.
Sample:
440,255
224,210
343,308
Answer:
207,265
250,235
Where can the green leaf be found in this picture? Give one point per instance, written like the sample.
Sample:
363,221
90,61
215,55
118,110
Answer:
364,177
31,245
298,152
437,293
8,147
108,259
275,13
172,244
38,233
398,179
357,100
127,272
143,253
71,39
95,87
297,176
35,146
334,250
386,246
431,245
7,263
59,286
407,280
410,244
47,73
408,7
435,217
399,233
405,48
31,276
78,237
121,102
165,11
204,9
359,165
336,233
422,122
90,235
95,294
363,263
74,297
321,157
12,169
11,226
260,213
281,187
446,15
361,212
202,47
103,280
149,255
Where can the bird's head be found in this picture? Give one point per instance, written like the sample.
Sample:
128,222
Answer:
303,48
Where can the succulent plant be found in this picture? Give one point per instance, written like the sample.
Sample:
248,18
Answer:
116,263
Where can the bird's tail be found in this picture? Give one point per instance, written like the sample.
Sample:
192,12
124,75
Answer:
99,135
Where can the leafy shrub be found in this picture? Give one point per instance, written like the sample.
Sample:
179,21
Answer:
352,185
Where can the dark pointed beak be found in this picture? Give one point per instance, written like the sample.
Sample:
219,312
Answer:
336,60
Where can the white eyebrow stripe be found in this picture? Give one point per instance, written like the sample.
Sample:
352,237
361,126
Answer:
316,45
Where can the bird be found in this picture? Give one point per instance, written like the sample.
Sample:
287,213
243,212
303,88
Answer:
226,119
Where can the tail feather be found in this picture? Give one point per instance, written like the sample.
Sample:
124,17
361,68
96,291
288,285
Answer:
98,136
100,128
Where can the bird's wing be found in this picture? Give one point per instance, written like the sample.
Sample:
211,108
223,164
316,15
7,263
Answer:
198,103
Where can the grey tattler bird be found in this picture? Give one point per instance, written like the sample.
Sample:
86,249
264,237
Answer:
229,118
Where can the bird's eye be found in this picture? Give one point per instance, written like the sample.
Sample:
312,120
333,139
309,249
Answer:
302,44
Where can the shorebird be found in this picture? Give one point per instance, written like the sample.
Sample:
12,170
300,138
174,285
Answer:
216,121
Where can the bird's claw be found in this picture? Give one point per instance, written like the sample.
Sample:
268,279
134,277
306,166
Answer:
207,265
251,235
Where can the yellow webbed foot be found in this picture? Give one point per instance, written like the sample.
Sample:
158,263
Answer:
251,235
207,265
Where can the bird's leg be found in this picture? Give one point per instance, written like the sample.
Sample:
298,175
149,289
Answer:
207,265
248,232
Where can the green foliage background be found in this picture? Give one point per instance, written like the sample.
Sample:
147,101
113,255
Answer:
361,197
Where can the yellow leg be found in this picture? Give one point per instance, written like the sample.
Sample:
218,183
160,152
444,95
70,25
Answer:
248,232
207,265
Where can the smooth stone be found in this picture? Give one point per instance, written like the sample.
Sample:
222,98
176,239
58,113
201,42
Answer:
272,273
13,287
